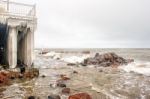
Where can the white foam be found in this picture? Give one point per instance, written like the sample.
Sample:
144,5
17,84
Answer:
53,55
75,59
138,67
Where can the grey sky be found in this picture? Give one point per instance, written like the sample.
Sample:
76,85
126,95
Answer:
92,23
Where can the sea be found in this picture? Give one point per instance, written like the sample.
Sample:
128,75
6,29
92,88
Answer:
130,81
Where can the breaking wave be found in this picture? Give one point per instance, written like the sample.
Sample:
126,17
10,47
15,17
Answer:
138,67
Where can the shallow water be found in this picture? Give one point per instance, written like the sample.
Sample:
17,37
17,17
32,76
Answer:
126,82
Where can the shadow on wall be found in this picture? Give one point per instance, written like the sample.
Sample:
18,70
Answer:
3,39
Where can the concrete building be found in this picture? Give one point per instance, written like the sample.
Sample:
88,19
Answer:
17,26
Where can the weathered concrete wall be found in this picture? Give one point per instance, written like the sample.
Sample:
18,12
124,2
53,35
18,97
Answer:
18,44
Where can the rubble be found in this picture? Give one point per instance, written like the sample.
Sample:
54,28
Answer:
7,75
106,60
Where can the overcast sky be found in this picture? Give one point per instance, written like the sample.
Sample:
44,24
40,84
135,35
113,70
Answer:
92,23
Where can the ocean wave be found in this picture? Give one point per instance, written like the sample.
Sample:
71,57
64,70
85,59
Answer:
137,67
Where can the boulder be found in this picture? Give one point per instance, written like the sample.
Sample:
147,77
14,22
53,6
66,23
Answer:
80,96
106,60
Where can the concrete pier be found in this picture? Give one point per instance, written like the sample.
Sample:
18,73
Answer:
19,33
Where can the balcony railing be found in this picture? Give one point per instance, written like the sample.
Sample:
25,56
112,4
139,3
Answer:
17,9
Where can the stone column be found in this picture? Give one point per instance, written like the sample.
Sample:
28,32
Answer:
12,47
29,47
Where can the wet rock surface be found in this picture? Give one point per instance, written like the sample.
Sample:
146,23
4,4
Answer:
8,75
80,96
106,60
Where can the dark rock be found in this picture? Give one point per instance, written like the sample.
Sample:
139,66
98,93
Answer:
12,77
83,64
86,52
106,60
80,96
22,69
33,97
63,77
66,90
71,64
54,97
75,72
44,52
60,84
43,76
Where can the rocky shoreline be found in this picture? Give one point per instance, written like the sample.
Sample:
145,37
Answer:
99,60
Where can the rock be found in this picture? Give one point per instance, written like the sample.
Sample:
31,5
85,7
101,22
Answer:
83,64
80,96
54,97
33,97
86,52
60,84
3,78
71,64
130,60
7,75
1,95
43,76
20,76
66,90
44,52
101,70
31,73
90,61
106,60
63,77
75,72
22,70
12,77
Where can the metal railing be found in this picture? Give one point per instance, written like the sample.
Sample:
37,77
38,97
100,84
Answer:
17,9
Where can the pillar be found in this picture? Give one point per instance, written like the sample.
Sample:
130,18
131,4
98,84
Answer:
12,47
28,48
